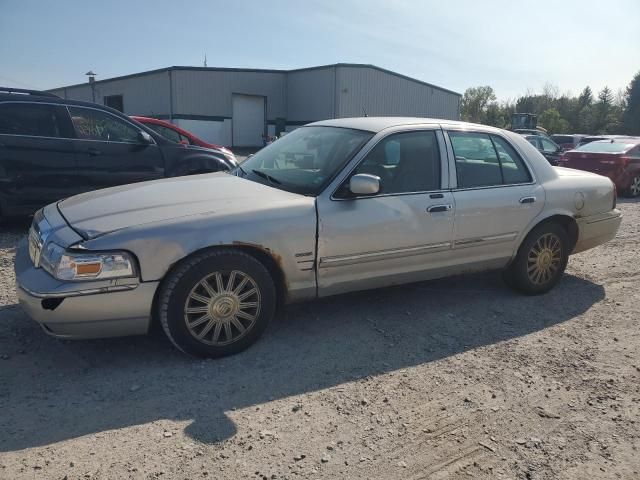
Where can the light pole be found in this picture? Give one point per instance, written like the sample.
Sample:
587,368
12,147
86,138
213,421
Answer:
92,81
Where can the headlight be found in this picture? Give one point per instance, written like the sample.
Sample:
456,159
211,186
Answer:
66,265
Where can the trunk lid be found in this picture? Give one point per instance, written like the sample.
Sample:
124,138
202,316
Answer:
596,162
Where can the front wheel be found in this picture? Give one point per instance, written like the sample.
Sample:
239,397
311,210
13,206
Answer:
217,303
541,260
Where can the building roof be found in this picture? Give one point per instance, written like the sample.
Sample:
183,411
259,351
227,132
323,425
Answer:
260,70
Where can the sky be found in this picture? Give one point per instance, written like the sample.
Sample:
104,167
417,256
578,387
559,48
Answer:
513,46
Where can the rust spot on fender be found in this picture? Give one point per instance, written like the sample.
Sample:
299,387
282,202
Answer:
273,255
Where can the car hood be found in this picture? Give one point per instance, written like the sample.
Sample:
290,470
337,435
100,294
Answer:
100,212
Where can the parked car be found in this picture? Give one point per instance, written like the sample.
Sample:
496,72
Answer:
52,148
566,141
617,158
549,149
332,207
176,134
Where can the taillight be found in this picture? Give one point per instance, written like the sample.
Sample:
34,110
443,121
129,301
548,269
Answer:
615,196
625,161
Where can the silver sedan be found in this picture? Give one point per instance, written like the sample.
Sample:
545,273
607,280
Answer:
332,207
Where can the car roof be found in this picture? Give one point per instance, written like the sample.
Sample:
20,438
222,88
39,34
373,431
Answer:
50,98
142,119
377,124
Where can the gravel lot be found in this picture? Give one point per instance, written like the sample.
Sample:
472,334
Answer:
455,378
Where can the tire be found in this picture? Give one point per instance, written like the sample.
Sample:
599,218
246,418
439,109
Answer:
541,260
634,187
206,301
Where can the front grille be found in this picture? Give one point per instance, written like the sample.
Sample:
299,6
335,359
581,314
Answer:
38,234
35,246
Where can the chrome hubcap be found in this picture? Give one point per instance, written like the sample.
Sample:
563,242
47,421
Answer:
222,307
544,259
635,186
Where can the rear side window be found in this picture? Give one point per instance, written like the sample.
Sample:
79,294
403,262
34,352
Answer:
484,160
605,147
29,119
91,124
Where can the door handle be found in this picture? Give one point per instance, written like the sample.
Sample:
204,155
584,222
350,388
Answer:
438,208
93,152
527,199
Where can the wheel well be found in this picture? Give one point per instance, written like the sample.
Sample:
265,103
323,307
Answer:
271,264
263,256
568,223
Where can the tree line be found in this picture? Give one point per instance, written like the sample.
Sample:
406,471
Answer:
587,113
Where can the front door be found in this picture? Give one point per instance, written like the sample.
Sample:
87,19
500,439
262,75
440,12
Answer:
401,234
37,158
109,151
496,198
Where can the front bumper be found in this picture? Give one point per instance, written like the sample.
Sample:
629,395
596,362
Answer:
108,308
595,230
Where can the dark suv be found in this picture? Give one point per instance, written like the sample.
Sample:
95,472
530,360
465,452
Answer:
52,148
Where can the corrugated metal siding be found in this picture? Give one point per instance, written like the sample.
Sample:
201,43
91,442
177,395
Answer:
310,95
384,94
209,93
144,95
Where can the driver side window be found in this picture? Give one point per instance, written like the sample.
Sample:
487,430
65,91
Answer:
405,162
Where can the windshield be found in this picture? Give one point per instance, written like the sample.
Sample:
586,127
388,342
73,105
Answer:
606,147
305,160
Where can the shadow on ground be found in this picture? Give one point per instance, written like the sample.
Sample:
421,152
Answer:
52,390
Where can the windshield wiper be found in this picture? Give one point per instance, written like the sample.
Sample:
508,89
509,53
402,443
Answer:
273,181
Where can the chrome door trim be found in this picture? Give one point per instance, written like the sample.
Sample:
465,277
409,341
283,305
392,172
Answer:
343,260
474,241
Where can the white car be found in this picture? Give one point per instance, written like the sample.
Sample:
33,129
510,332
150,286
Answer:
332,207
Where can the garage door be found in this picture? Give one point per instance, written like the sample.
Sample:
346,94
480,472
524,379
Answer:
248,120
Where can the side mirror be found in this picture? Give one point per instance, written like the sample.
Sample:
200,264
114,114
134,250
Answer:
144,137
364,184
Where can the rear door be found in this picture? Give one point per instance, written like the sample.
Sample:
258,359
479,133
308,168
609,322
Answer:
109,150
496,197
37,158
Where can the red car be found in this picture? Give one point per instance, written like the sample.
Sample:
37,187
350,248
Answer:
178,135
618,159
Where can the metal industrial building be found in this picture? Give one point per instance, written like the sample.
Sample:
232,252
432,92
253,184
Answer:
238,106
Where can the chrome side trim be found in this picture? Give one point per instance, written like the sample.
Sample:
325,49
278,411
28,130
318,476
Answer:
78,293
609,216
470,242
342,260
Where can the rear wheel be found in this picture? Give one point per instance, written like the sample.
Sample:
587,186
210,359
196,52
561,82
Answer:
634,187
541,260
217,303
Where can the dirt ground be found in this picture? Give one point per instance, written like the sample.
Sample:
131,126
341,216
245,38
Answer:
456,378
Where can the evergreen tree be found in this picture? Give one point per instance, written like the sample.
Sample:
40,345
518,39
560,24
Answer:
586,97
631,115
